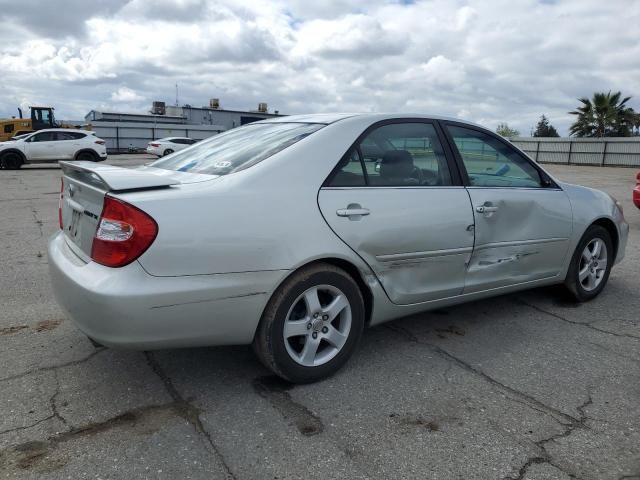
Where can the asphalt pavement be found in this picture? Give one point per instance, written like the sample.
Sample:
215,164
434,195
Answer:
523,386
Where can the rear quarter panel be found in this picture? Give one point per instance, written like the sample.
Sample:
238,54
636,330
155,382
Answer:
263,218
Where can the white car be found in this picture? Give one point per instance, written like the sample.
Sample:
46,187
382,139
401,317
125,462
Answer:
51,145
166,146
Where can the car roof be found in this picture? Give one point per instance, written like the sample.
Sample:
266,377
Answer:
88,132
327,118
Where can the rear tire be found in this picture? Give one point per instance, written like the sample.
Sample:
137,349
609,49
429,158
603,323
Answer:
311,325
590,265
168,151
87,157
11,161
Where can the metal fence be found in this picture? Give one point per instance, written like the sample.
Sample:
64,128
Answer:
612,151
128,136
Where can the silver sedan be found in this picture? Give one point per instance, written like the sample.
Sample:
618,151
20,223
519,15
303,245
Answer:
294,234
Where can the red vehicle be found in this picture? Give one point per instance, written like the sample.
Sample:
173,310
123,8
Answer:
636,192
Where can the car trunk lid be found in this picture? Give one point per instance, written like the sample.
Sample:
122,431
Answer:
84,186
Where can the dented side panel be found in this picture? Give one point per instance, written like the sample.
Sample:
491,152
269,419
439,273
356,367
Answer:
522,234
416,240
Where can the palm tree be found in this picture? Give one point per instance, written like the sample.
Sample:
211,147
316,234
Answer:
635,130
603,116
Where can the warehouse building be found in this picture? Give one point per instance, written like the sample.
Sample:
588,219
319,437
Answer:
214,115
125,132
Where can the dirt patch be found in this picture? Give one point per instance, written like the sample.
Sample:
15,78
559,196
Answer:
35,456
416,421
275,390
12,330
46,325
451,329
44,456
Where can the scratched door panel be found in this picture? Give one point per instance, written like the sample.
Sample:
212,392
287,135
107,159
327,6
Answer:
417,240
523,236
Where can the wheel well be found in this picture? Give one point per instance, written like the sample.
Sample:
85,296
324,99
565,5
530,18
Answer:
20,154
610,227
86,150
354,273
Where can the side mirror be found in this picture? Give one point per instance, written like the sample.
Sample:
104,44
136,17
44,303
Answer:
546,181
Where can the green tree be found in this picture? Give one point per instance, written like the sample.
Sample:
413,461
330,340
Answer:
604,115
545,129
506,131
635,128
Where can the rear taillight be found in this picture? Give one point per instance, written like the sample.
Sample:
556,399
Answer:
124,233
100,142
154,145
60,203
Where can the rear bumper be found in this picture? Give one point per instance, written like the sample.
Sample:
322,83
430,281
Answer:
126,307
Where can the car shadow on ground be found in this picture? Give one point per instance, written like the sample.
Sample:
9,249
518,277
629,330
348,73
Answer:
436,329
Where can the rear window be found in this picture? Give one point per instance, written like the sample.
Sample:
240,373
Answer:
70,135
237,149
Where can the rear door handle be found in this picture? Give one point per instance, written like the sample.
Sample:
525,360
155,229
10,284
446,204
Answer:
349,212
486,209
352,210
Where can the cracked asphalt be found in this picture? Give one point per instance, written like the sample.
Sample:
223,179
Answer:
524,386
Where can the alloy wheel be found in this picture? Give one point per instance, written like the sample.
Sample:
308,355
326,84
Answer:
317,325
592,264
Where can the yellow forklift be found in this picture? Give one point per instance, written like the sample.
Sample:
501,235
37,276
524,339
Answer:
41,117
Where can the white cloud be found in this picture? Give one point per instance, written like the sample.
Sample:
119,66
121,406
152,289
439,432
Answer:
465,16
487,61
126,95
437,71
350,36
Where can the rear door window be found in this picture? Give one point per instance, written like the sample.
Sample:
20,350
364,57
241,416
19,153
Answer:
69,135
350,171
403,154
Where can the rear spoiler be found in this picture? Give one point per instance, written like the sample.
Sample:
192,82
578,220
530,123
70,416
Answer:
110,177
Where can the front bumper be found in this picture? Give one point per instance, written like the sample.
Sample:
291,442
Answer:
126,307
623,236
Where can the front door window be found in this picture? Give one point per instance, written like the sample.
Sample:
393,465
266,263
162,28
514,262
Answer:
491,163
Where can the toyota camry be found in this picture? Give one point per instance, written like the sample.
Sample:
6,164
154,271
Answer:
295,234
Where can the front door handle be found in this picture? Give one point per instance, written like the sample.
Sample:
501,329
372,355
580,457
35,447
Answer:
486,209
353,210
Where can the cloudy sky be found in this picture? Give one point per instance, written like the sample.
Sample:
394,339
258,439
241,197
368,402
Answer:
487,61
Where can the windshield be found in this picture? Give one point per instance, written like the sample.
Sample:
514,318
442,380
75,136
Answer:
237,149
19,137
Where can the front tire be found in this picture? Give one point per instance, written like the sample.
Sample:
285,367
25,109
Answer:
11,161
590,265
311,325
